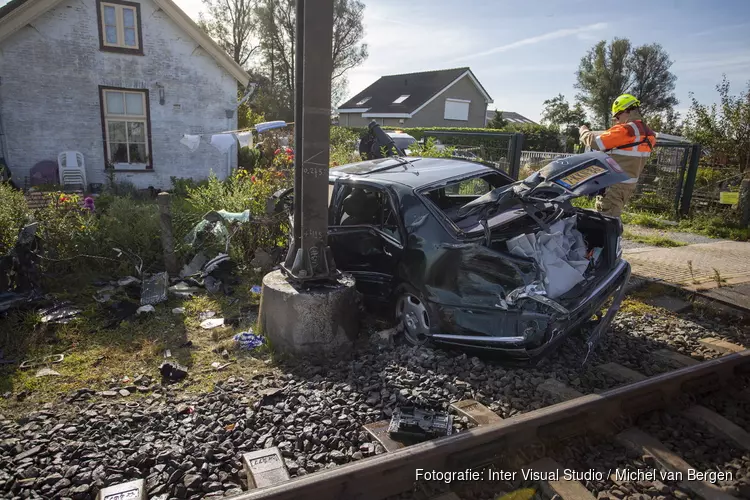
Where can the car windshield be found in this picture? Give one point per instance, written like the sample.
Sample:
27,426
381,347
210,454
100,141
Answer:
452,196
404,142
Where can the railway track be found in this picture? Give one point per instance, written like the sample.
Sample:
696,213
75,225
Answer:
539,440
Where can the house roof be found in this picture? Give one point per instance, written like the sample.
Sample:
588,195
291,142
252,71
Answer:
18,13
510,116
420,89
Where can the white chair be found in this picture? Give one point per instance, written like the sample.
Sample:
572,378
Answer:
72,169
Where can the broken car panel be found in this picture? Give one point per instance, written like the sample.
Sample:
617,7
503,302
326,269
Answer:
471,258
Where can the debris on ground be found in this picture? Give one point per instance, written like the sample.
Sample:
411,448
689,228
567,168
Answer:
219,366
173,371
184,290
195,265
205,315
212,323
120,311
20,279
413,423
154,289
46,372
145,309
262,260
256,289
47,360
128,280
62,313
104,294
248,340
178,310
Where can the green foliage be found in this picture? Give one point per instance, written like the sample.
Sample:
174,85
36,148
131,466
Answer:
653,201
607,71
133,226
344,146
497,121
14,214
249,158
558,113
430,149
181,185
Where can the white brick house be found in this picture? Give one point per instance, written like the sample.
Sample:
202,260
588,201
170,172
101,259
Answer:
119,81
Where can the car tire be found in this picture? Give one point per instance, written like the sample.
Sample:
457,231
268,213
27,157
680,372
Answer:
413,315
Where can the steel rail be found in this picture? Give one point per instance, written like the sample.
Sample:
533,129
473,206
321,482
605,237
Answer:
395,472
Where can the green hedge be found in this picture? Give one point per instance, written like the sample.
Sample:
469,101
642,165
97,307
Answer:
536,137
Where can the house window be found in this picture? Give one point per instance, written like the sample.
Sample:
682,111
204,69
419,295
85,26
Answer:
363,101
120,26
457,109
126,128
401,99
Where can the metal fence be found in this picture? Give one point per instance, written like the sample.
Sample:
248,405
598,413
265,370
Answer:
501,150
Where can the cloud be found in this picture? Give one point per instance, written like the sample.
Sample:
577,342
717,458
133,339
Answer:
553,35
719,61
722,29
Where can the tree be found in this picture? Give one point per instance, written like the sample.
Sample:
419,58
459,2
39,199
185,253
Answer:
497,121
666,122
277,24
559,114
607,71
232,24
724,131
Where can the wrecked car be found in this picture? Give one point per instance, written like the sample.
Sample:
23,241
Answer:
464,255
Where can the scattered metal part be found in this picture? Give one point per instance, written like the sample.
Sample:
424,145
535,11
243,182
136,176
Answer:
409,422
145,309
59,314
195,265
47,360
154,289
46,372
178,310
205,315
173,371
128,280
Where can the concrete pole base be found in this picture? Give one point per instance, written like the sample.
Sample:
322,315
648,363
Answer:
316,324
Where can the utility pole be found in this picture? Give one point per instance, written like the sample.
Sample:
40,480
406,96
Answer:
309,257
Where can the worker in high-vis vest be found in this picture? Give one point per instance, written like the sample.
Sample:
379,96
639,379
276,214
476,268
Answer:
630,143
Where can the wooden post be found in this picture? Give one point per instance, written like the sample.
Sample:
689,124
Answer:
167,238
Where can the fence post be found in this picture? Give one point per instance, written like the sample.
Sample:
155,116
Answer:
515,155
687,193
167,238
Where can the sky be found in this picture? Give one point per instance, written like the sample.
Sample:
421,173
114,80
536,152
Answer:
526,51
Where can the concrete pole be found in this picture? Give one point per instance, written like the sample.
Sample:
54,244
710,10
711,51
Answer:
167,238
316,129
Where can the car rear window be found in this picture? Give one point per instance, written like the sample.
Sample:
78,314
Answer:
450,197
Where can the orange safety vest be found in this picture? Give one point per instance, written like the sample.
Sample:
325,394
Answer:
628,139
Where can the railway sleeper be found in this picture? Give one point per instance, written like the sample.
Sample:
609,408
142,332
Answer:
642,443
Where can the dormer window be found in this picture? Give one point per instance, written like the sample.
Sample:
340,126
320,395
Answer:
363,101
401,99
120,26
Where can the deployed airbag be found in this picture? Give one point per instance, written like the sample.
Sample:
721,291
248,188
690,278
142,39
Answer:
560,252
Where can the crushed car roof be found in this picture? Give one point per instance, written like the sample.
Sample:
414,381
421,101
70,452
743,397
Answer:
417,173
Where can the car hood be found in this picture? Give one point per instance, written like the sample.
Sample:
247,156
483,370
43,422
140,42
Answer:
559,181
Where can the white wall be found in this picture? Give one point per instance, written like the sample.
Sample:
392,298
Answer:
51,72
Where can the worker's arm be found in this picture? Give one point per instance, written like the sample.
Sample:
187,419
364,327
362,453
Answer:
588,138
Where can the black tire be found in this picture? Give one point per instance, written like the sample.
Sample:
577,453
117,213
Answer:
413,315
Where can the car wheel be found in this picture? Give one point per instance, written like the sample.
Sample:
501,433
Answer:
413,314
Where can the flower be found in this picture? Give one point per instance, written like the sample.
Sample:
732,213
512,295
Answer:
277,151
290,158
252,179
289,151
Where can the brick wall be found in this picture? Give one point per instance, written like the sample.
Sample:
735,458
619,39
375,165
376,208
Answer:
51,72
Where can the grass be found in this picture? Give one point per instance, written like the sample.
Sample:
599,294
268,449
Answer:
656,241
713,225
96,357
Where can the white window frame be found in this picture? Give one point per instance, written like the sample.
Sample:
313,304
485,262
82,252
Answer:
126,118
120,25
401,99
455,113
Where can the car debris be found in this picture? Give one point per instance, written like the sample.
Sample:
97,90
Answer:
248,340
20,279
178,310
415,424
62,313
154,289
210,323
173,371
472,258
46,360
184,290
145,309
219,366
46,372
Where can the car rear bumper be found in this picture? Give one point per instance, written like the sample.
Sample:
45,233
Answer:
560,325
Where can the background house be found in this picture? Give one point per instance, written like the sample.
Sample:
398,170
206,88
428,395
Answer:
120,82
444,98
510,116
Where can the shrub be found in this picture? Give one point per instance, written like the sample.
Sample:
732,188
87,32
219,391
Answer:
344,146
14,214
181,185
131,225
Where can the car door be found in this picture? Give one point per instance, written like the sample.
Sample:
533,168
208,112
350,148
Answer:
366,235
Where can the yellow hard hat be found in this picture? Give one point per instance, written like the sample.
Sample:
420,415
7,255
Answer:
624,102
